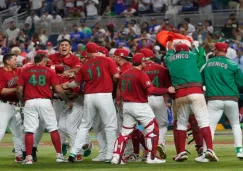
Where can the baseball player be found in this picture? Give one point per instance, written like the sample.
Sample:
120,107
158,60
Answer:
63,62
160,79
189,97
222,78
98,74
34,90
134,85
8,103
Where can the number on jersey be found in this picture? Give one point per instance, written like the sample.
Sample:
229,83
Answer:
97,70
155,81
126,84
40,81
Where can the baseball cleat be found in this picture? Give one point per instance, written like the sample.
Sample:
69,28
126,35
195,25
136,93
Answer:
24,155
28,160
156,160
116,159
34,150
60,158
18,159
239,155
99,158
79,158
87,149
108,160
71,158
202,158
161,150
65,147
133,158
211,156
182,156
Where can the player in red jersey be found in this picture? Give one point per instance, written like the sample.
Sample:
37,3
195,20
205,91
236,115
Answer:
8,102
98,74
160,79
121,56
34,92
135,86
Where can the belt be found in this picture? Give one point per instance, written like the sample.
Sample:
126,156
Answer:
10,103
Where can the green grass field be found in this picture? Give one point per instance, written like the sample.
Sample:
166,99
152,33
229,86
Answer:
46,158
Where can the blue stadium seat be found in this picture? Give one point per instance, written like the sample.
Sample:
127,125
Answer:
53,38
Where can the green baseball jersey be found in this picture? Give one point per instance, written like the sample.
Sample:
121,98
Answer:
183,69
201,54
222,78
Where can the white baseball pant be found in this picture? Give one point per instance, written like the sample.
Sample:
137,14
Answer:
157,104
216,108
193,103
97,104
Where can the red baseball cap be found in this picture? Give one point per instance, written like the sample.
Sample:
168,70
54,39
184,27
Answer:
147,53
103,50
221,46
181,47
41,52
92,47
121,52
49,44
138,58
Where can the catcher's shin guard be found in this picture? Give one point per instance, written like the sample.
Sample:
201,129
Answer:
137,139
120,146
152,137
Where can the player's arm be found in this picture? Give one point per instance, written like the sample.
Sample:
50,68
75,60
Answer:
7,91
159,91
20,94
239,78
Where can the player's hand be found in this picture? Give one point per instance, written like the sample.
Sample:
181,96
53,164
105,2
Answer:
65,85
171,45
69,105
171,89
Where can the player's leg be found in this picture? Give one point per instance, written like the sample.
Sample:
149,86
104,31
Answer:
31,123
129,123
108,115
63,131
85,125
231,109
182,110
199,108
47,114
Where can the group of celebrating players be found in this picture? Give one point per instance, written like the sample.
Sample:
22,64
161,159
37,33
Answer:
68,97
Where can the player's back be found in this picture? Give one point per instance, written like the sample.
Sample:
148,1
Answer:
37,81
158,74
97,73
132,86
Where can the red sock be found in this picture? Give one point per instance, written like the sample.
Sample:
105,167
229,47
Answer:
181,135
135,141
55,137
175,136
207,136
197,136
29,141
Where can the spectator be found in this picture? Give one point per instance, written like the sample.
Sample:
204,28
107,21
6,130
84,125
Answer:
86,30
23,50
121,41
29,30
232,17
239,58
200,34
49,6
30,56
22,37
144,6
135,27
59,4
173,7
129,12
43,37
154,28
3,5
167,26
12,33
46,17
80,7
144,43
205,7
157,54
119,7
183,31
157,5
76,37
239,8
16,51
231,53
33,18
69,7
56,18
50,49
3,47
1,58
233,4
228,29
108,12
12,3
145,26
191,27
91,7
37,5
208,26
240,27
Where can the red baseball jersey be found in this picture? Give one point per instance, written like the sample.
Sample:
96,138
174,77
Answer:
125,66
158,74
8,79
64,64
37,80
97,74
133,84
